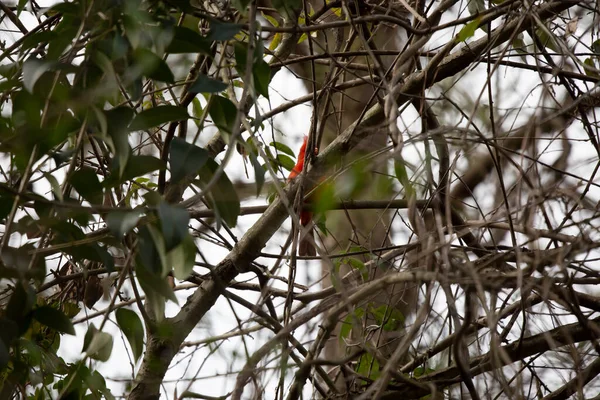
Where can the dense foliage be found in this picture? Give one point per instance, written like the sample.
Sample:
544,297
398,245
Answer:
452,176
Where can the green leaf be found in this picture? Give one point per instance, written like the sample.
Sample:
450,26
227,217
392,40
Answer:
468,30
261,71
262,77
402,176
87,184
285,161
223,112
65,33
6,203
121,222
188,41
197,112
89,335
117,121
282,148
185,159
151,251
33,69
19,305
359,266
132,327
241,5
259,173
590,68
154,283
289,8
346,328
4,355
153,66
351,320
182,258
325,198
546,39
420,371
220,31
389,318
476,6
157,116
368,366
269,18
136,166
221,195
100,346
54,319
174,222
596,47
204,84
56,189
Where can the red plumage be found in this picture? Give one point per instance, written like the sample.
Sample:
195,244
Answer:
305,246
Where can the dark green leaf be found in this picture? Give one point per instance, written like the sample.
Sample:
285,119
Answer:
19,305
4,355
289,8
157,116
153,66
223,112
154,283
121,222
282,148
136,166
220,31
261,72
18,260
590,68
87,184
241,5
222,195
89,335
546,39
596,47
188,41
65,33
285,161
151,251
132,327
54,319
185,159
117,121
6,203
259,173
204,84
174,222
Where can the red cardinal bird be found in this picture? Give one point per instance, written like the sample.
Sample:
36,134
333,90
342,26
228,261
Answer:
305,247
